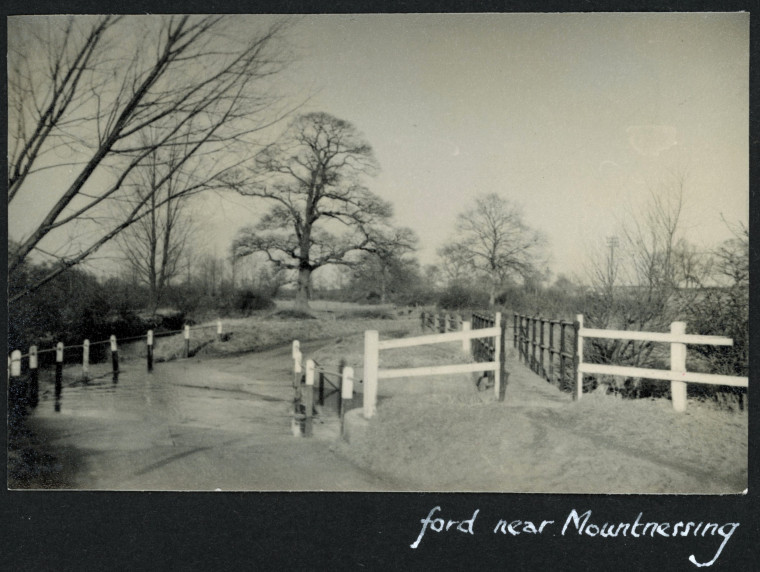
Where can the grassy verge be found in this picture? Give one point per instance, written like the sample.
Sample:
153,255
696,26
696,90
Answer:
258,333
600,444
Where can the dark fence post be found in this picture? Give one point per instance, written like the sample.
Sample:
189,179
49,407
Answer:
576,359
58,374
514,330
150,350
321,388
551,350
503,375
34,377
562,350
542,370
422,320
533,362
115,359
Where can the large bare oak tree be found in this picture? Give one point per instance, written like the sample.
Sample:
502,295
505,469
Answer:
322,213
91,99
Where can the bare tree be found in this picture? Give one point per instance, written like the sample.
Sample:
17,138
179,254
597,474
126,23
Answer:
91,99
493,242
652,281
155,244
387,268
722,306
322,212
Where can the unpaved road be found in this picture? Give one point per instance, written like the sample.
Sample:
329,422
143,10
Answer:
195,425
206,424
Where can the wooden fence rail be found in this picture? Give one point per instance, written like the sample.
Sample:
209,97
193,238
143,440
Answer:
677,374
373,346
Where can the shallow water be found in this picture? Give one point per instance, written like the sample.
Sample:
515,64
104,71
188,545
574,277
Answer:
193,425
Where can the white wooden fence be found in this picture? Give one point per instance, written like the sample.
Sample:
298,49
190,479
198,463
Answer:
677,374
373,346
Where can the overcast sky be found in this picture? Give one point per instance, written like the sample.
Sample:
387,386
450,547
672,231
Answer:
574,116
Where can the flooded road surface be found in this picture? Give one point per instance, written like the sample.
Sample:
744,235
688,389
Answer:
194,425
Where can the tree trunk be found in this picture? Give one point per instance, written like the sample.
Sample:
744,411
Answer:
304,289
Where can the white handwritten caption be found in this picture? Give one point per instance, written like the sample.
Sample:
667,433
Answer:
580,524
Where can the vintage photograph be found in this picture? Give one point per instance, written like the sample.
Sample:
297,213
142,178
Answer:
379,252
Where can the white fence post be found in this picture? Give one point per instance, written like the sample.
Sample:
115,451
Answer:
467,342
16,390
346,394
297,363
371,340
34,377
497,355
308,398
15,364
149,342
85,359
187,340
678,364
114,359
219,329
579,357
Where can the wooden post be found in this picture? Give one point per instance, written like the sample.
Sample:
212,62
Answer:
422,320
497,347
500,358
551,350
15,386
346,394
187,340
58,374
86,360
115,359
466,343
562,350
321,388
150,350
371,360
34,377
678,364
542,370
578,360
308,398
514,331
219,330
296,352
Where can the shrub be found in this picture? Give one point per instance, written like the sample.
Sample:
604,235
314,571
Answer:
289,314
366,314
460,297
248,300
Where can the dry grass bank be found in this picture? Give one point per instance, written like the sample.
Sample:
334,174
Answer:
242,335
